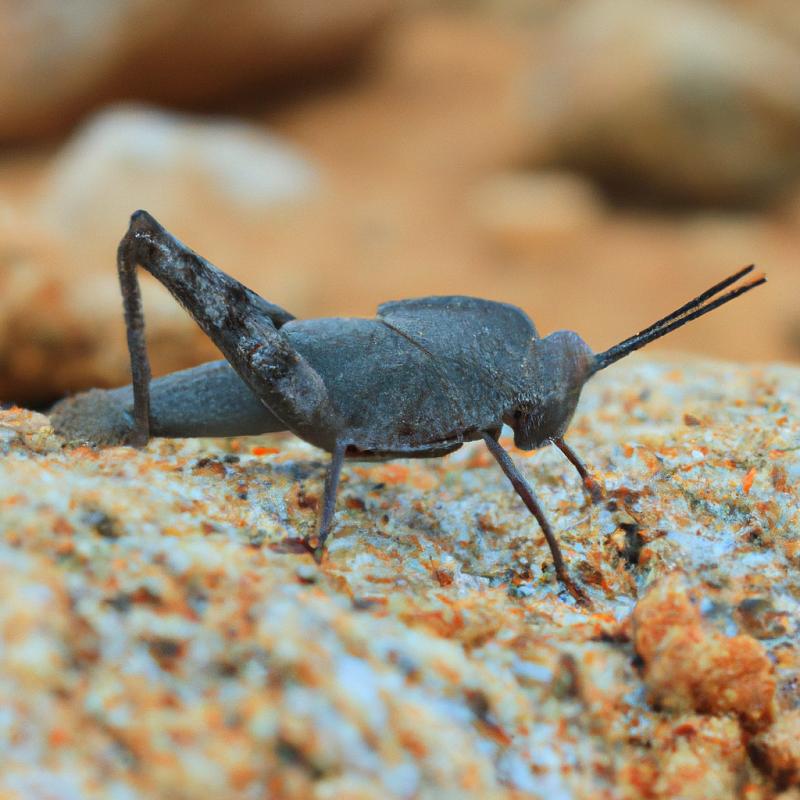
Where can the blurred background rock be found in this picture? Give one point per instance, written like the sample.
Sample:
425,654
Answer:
596,162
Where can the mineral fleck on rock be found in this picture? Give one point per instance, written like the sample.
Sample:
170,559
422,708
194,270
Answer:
163,634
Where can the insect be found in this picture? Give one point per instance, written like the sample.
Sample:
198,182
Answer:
419,380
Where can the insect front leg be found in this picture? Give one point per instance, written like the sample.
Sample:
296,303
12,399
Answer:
589,483
244,326
524,490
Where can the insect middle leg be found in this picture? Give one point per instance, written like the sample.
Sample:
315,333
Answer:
325,522
524,490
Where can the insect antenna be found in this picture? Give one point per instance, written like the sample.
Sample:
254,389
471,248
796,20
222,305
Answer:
686,313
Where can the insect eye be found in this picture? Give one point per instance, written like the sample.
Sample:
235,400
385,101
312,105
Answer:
522,411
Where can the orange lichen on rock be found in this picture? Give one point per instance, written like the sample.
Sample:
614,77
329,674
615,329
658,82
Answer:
689,666
264,451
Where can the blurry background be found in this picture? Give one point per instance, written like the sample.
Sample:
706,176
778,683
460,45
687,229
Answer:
597,162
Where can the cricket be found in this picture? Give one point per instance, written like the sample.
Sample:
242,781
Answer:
419,380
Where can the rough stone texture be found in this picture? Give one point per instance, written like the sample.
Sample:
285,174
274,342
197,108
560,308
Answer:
59,59
163,634
676,100
778,750
690,667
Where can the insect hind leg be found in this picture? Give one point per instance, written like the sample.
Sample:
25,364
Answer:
244,326
207,293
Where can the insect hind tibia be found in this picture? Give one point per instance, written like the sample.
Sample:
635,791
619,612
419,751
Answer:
695,308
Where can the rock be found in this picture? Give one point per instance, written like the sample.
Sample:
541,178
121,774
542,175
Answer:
226,182
777,16
180,168
777,750
153,154
678,101
60,330
702,757
57,61
689,667
528,212
190,649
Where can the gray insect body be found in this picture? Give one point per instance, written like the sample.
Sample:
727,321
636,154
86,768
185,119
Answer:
430,374
419,380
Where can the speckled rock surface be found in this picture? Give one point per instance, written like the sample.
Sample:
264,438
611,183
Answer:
163,635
